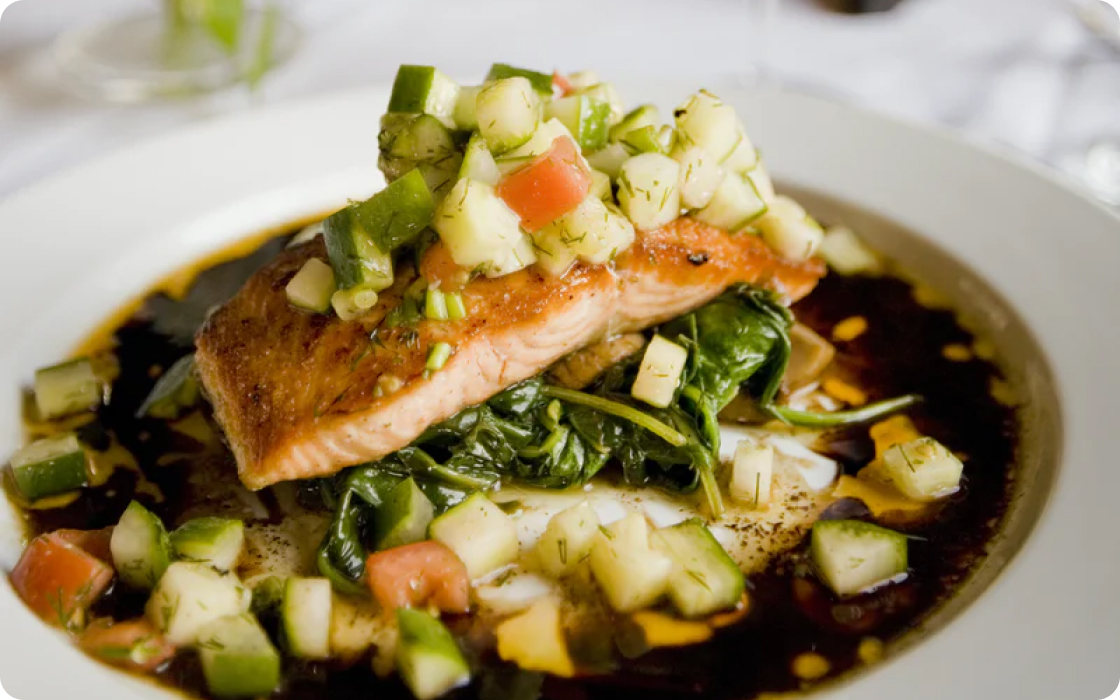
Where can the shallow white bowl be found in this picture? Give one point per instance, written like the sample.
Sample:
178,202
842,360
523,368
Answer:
1039,620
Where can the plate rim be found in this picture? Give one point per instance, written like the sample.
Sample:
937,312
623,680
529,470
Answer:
886,675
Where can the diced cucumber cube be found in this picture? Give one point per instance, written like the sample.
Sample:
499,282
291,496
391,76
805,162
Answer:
760,178
541,82
591,231
583,79
508,260
423,90
214,541
586,118
70,387
424,139
480,533
393,125
190,596
609,159
645,115
404,517
430,662
596,232
752,473
567,539
508,112
789,231
853,556
923,469
701,176
480,231
659,375
734,205
705,579
643,140
356,624
50,466
600,186
357,262
306,617
238,660
465,114
743,157
707,122
478,163
441,176
393,167
667,136
615,237
176,391
845,253
141,547
631,574
312,287
648,191
396,215
553,256
605,92
538,144
505,596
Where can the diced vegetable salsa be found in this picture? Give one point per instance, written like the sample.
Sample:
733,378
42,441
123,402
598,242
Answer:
524,153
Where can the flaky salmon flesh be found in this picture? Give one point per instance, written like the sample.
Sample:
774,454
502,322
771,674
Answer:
302,395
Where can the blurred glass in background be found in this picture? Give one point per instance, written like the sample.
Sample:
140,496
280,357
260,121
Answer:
177,48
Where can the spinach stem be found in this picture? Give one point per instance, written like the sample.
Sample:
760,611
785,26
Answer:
812,419
711,490
619,410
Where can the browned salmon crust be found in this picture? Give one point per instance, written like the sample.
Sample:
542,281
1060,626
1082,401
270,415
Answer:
298,394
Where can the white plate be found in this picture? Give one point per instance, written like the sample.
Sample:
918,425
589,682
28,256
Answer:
1049,627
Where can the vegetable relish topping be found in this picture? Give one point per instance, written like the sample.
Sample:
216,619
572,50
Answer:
532,169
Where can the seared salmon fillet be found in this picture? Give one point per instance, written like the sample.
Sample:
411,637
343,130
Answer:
301,395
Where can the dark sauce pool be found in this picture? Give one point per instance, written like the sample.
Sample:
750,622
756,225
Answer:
790,614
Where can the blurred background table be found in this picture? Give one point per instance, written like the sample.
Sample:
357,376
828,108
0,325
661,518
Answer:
1022,73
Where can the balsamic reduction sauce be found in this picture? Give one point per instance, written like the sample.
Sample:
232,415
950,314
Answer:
790,613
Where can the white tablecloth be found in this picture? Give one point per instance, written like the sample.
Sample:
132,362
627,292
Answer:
1021,72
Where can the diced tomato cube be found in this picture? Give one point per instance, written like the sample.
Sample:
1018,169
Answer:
135,644
418,574
59,581
549,187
